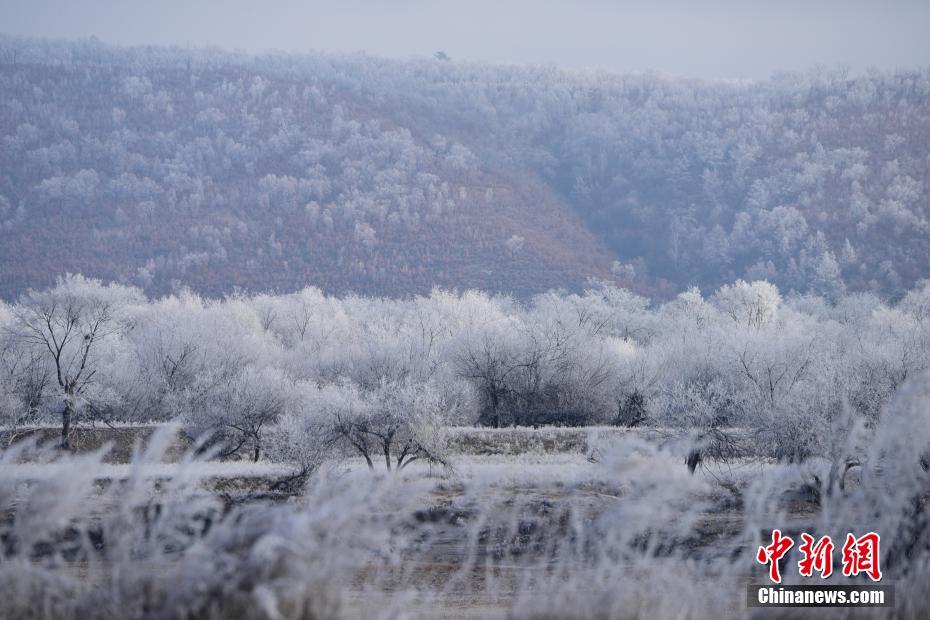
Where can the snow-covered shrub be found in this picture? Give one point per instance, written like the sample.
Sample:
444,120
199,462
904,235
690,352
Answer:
163,546
234,412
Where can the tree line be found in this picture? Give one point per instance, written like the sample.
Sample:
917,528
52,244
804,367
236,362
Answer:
305,376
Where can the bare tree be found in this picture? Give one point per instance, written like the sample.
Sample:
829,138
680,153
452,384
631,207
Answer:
24,378
235,411
69,322
401,420
487,363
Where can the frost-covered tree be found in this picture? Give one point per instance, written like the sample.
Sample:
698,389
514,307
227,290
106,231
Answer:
750,304
396,422
783,376
235,412
69,324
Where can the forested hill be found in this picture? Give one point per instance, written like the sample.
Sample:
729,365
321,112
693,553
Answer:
168,167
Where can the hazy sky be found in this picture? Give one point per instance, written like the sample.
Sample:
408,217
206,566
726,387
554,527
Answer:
700,38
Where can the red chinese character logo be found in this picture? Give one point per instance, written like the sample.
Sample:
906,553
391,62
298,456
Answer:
817,557
774,552
860,555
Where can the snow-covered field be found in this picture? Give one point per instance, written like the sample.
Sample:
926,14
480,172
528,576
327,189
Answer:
488,537
123,471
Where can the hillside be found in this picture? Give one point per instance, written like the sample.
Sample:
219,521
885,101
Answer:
167,167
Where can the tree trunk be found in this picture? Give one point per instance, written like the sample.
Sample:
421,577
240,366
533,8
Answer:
256,454
66,425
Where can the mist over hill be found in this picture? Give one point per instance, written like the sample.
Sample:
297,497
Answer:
216,170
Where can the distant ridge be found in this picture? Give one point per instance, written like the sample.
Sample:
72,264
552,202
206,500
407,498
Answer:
166,167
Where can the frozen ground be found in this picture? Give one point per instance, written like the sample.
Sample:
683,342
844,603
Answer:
123,471
469,540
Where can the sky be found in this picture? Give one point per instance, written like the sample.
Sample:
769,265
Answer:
729,39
